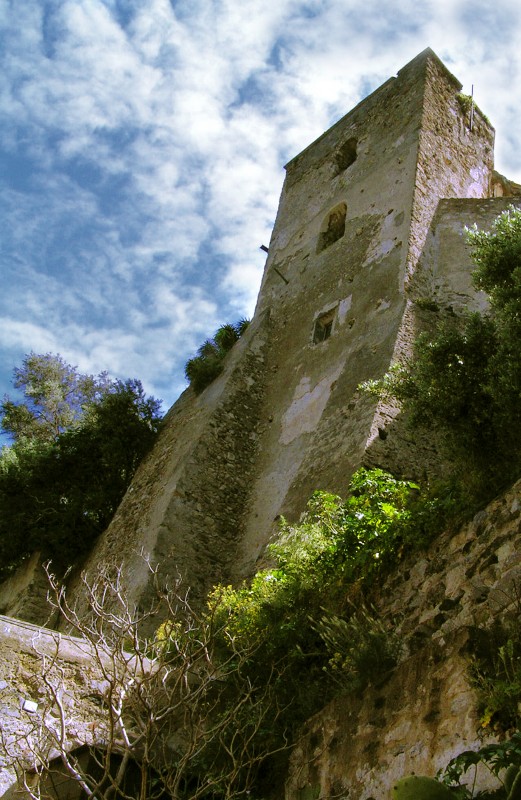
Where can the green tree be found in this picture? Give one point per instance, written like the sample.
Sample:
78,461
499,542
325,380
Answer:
55,398
57,494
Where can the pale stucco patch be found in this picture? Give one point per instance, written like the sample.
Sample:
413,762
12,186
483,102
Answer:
307,407
343,307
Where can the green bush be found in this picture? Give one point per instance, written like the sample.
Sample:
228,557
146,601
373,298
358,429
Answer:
362,649
306,614
302,630
208,364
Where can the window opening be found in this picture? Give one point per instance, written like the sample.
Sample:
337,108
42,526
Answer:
323,327
334,228
345,155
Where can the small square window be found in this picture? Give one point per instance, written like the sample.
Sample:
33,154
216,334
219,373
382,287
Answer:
323,327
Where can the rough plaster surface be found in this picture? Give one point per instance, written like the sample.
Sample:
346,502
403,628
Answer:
307,407
425,712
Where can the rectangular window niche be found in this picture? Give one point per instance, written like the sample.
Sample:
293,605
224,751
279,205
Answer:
323,325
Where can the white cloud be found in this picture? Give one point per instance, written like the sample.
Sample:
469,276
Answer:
148,147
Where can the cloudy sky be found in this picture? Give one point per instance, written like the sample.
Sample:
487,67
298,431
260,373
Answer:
142,145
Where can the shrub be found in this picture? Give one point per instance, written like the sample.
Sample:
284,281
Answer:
362,649
208,364
307,611
496,674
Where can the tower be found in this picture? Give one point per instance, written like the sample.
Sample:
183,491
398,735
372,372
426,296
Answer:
285,417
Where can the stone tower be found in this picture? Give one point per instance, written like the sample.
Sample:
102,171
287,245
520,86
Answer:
370,223
285,417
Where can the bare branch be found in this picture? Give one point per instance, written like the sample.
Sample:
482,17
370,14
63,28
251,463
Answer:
176,716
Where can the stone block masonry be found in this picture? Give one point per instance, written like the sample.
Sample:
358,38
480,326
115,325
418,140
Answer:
26,653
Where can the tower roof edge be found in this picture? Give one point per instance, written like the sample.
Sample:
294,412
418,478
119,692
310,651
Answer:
429,55
416,65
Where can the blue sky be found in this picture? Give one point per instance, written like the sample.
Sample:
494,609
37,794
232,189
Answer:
142,145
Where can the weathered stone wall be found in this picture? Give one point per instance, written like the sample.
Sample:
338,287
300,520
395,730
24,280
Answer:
413,148
26,652
453,161
318,424
443,278
286,417
281,419
185,506
425,712
446,265
23,595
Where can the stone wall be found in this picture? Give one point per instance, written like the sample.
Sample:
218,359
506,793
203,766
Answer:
282,418
446,264
454,160
425,712
412,148
26,652
440,289
185,505
23,595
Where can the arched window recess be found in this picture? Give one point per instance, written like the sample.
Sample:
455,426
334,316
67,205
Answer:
333,227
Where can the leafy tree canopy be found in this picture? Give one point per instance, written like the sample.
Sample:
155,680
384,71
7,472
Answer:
55,398
77,443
